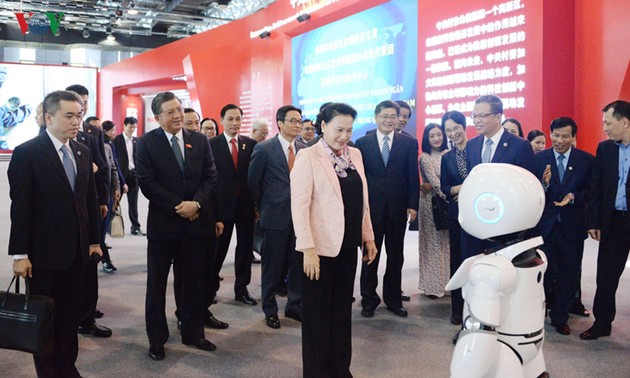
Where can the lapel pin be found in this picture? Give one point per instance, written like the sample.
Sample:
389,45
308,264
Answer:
79,153
243,147
504,144
570,168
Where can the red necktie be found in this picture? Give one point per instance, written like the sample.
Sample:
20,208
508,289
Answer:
234,152
291,158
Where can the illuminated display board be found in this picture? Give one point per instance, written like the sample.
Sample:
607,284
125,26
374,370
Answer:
471,48
360,60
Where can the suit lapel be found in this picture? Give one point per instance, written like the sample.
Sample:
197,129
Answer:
501,148
161,139
327,166
473,155
48,149
376,150
279,152
82,167
225,150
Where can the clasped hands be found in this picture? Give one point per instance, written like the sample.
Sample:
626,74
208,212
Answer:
188,210
311,259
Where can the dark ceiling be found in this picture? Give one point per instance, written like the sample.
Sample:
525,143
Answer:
134,23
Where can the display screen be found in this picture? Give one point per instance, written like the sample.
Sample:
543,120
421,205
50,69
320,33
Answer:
24,86
360,60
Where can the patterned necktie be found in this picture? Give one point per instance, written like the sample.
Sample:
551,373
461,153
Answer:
68,166
385,150
460,159
561,167
177,152
487,153
291,160
234,152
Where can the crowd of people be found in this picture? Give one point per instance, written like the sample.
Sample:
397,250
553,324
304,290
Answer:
317,201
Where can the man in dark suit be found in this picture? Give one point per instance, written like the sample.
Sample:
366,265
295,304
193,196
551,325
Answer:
391,168
270,186
126,153
492,145
176,173
51,179
403,119
609,220
565,173
232,153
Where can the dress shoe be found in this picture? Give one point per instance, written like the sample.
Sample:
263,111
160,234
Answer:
179,325
156,353
579,310
220,278
247,299
98,314
138,232
293,315
456,319
367,312
405,298
562,329
212,322
203,344
108,246
108,267
400,311
272,321
256,260
95,330
594,333
215,300
432,296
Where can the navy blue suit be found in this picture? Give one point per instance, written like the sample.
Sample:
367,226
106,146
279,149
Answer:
564,228
615,231
270,186
392,189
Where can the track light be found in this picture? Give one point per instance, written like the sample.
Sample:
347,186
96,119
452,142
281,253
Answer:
111,37
85,33
303,17
265,34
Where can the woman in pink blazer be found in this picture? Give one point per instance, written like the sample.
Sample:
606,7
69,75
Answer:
331,218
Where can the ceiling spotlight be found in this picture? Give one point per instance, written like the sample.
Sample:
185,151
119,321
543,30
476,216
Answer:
108,29
111,37
112,18
132,11
85,33
303,17
265,34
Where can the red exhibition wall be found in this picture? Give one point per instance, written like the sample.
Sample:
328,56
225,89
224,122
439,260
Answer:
570,60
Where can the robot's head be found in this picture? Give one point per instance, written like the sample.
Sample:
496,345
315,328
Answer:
500,199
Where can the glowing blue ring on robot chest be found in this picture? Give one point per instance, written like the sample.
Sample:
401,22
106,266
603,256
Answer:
489,208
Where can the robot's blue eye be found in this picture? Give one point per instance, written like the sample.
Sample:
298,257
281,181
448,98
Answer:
489,208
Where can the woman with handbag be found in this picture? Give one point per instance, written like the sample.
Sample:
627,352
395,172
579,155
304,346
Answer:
433,254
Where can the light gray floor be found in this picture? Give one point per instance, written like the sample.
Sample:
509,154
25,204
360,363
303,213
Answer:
384,346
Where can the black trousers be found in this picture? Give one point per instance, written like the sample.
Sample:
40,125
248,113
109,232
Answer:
564,250
89,295
132,197
455,245
327,316
611,261
279,251
394,235
187,256
65,287
244,222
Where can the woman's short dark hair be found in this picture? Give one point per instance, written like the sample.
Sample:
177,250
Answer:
332,110
534,134
426,145
457,117
517,123
107,125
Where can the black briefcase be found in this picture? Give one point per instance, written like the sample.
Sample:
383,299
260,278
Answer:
26,321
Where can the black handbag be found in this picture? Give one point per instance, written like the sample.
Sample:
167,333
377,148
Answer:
440,213
26,321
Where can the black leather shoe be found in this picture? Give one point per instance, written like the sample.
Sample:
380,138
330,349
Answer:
293,315
367,312
95,330
405,298
179,325
256,260
108,267
594,333
138,232
215,300
212,322
562,329
272,321
98,314
579,310
247,299
456,319
400,311
203,344
156,353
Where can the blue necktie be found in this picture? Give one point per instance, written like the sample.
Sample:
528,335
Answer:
561,167
385,151
177,152
487,153
68,166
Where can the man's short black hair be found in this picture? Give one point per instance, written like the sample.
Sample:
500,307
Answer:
91,118
228,107
563,122
130,120
281,113
621,109
80,89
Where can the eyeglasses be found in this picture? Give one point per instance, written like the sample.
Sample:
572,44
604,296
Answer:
391,117
294,121
482,115
309,129
171,113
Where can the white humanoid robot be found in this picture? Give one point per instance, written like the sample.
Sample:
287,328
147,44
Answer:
504,314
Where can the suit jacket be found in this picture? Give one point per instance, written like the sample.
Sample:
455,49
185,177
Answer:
121,153
603,189
97,133
576,180
511,150
232,183
450,177
395,188
163,183
269,183
102,188
49,222
317,203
